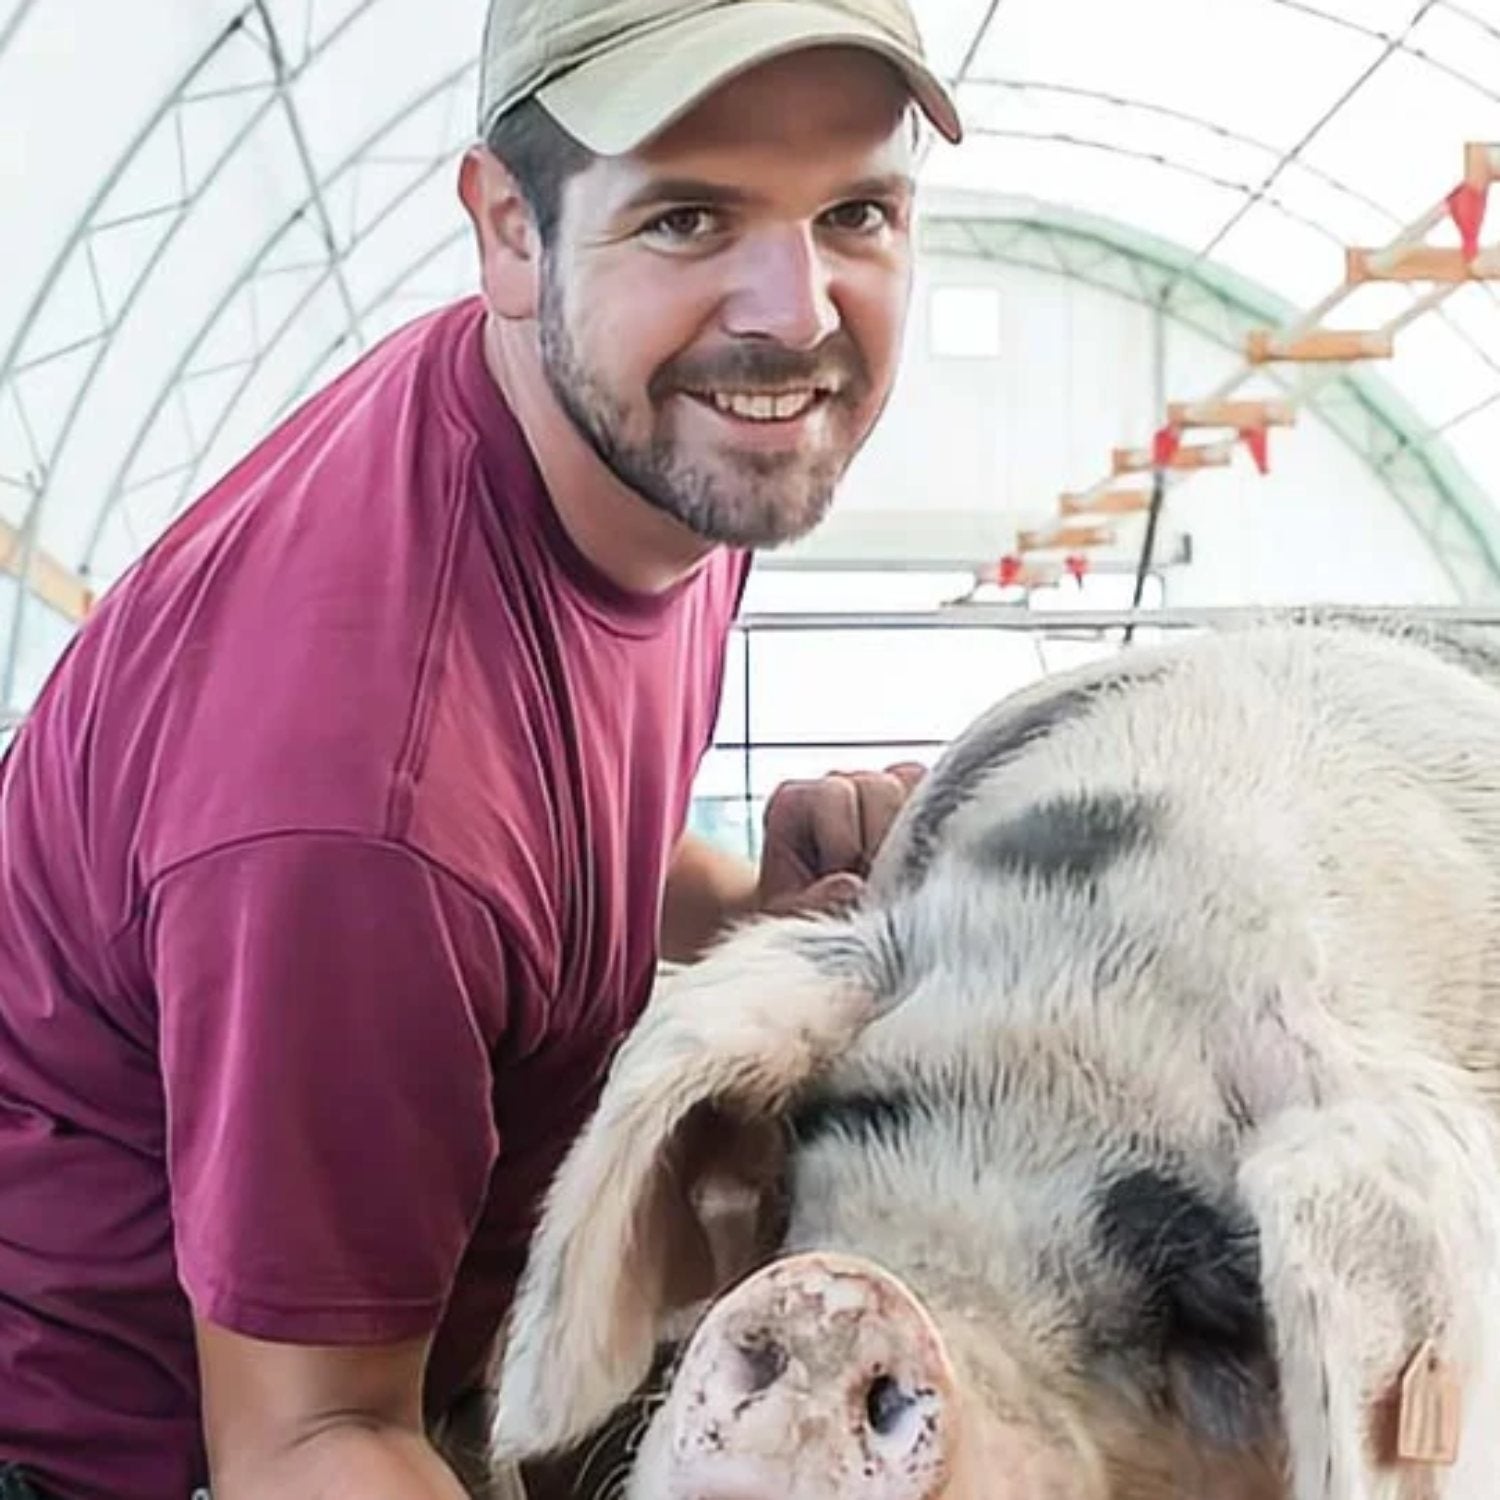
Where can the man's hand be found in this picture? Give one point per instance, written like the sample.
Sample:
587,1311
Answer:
821,836
820,840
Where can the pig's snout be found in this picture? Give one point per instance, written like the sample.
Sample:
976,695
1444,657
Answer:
820,1375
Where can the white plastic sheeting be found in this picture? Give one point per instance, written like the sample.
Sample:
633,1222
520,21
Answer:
207,207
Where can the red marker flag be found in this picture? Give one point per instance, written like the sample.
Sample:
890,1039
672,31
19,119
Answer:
1466,204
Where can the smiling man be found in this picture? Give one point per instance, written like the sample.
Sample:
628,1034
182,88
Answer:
340,850
725,330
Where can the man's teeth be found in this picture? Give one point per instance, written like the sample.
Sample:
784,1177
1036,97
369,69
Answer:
763,408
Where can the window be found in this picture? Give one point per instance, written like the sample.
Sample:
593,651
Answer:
964,322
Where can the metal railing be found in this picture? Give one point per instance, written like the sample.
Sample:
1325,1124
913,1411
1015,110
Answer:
741,753
741,766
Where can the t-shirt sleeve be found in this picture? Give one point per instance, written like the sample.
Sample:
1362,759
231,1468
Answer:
327,1009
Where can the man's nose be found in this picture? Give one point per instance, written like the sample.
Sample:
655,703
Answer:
784,290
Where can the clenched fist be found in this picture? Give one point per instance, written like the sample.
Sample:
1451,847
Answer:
821,836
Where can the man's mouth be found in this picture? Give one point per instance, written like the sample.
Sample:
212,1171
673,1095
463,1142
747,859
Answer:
763,406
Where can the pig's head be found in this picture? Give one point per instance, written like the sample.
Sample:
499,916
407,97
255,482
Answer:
892,1252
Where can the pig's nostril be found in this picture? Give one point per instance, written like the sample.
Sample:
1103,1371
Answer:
764,1360
886,1403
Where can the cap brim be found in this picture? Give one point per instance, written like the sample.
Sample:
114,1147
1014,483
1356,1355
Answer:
616,102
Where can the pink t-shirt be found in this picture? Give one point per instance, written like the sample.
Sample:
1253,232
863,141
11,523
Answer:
330,873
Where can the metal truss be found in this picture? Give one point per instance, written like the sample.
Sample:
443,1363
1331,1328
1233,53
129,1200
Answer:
1211,129
1190,170
194,108
1448,69
393,289
13,25
1391,47
1453,517
1208,127
240,297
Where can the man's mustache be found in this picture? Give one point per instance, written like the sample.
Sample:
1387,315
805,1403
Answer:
834,366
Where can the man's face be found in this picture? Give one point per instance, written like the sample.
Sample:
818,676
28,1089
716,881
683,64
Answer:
722,311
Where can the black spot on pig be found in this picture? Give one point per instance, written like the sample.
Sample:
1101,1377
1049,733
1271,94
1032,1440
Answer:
1073,839
1200,1326
1003,736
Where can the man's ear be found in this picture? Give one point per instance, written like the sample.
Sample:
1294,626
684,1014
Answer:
510,248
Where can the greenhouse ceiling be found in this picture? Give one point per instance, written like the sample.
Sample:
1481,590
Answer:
208,207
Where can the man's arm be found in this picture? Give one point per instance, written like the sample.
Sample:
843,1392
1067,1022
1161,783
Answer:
707,891
292,1422
327,1007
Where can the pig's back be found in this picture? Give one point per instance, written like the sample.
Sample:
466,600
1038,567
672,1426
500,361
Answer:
1321,801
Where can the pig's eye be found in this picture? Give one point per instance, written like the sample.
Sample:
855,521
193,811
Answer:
866,1118
1203,1323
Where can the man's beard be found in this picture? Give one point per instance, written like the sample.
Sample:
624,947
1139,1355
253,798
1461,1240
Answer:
772,498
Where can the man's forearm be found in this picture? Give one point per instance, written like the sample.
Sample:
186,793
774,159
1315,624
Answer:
707,890
347,1461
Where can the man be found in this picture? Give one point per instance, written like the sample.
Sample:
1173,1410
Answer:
334,855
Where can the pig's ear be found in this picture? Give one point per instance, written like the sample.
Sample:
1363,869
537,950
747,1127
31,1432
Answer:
656,1205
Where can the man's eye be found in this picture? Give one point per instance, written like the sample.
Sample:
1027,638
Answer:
683,225
862,216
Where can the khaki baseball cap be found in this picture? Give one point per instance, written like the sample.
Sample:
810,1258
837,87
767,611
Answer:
615,72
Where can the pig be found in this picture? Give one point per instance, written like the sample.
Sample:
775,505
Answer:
1133,1137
